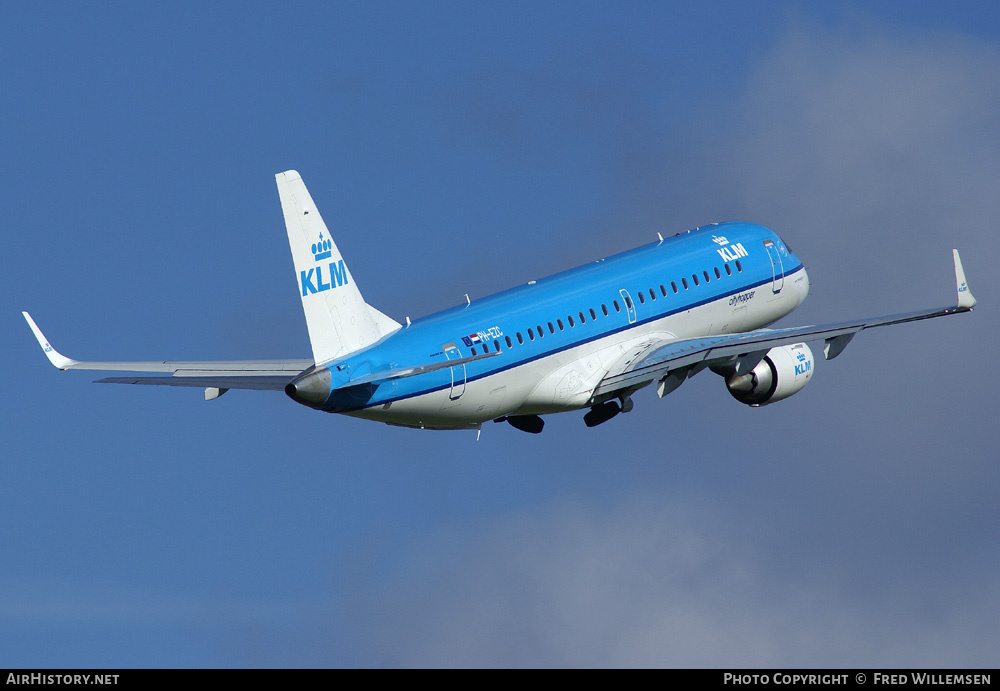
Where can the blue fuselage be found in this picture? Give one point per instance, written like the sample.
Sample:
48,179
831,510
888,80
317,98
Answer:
723,278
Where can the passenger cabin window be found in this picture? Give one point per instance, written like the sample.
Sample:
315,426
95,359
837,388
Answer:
684,282
628,303
739,267
705,273
473,350
583,319
716,270
570,319
617,307
642,300
520,338
674,287
593,314
496,345
531,335
509,343
695,278
552,329
560,324
729,272
604,308
663,290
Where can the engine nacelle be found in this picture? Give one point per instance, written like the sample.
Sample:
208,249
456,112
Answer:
782,372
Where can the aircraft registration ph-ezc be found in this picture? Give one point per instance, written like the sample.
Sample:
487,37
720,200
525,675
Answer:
584,339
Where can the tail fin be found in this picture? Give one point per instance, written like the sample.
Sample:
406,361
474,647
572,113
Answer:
338,318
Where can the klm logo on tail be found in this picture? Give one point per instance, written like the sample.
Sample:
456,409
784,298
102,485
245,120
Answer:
336,272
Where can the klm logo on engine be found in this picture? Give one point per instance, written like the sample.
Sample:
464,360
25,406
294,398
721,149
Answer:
803,364
313,281
731,253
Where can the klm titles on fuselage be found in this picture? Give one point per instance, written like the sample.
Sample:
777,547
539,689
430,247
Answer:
733,252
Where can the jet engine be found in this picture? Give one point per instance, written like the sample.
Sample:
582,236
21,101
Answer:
782,372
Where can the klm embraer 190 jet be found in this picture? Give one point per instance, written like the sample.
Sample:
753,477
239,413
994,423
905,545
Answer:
584,339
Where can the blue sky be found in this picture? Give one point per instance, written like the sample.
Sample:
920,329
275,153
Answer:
463,148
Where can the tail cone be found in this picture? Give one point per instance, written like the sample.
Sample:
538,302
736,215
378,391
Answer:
311,388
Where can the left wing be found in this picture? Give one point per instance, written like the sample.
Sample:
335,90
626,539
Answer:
747,349
219,375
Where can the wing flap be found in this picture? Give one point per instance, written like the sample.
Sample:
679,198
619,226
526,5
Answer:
253,383
185,369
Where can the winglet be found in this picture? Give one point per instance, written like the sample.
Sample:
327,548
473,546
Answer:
54,356
965,299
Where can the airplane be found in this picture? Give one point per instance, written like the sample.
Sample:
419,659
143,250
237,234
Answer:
584,339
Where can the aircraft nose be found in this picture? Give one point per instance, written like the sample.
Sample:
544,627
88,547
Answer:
311,388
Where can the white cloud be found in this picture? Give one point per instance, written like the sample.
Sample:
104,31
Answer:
877,147
649,582
873,155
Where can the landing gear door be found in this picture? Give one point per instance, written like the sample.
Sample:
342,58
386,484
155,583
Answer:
777,268
452,352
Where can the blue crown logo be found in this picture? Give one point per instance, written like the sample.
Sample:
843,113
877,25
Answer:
321,249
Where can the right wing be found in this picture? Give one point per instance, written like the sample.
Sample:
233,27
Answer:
745,350
231,374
